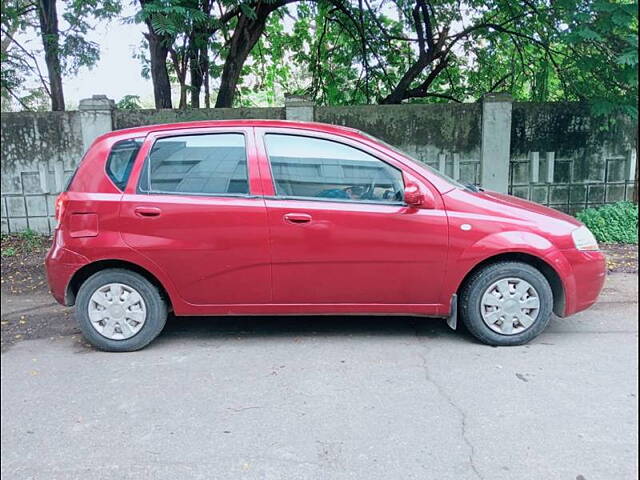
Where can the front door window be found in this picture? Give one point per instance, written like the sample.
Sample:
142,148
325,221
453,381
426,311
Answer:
314,168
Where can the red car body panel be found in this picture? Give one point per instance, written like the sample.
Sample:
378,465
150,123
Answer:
262,254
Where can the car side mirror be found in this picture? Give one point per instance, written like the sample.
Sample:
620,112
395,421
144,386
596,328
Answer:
412,195
417,197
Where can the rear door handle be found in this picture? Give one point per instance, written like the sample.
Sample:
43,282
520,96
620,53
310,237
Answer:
147,211
297,218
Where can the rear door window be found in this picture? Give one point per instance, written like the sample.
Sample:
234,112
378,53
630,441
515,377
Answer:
121,158
209,164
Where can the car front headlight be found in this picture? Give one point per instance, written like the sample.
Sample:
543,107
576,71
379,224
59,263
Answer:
583,239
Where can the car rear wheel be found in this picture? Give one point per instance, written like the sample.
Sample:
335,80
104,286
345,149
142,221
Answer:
120,311
507,303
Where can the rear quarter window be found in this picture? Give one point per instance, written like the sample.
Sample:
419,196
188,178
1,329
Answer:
120,162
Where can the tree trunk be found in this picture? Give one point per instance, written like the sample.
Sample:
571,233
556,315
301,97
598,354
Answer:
205,69
399,92
158,51
180,65
183,96
195,71
229,82
245,36
50,40
635,183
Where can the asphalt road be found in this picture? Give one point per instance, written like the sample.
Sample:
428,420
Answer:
330,398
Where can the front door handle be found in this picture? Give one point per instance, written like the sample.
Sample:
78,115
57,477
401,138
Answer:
147,211
297,218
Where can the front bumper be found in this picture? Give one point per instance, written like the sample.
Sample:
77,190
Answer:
589,272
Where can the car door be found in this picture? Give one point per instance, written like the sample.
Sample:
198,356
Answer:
340,231
192,211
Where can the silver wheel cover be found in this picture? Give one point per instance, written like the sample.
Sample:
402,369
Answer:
510,306
117,311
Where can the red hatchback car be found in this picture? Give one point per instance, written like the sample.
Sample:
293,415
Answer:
265,217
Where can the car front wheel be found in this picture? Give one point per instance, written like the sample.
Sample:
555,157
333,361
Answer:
120,311
507,303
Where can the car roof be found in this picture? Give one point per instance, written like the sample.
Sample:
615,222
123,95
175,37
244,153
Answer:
315,126
128,133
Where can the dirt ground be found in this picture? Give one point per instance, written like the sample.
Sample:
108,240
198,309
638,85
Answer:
29,312
23,264
621,258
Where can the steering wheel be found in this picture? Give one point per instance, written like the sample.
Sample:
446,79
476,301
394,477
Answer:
368,193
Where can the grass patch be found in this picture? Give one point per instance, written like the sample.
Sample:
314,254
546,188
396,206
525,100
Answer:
23,243
31,239
614,223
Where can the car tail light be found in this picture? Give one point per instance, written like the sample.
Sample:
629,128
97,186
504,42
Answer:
60,204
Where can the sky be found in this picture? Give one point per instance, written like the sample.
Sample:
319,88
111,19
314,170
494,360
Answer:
117,73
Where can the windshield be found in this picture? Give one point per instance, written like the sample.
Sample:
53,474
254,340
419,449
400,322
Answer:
436,172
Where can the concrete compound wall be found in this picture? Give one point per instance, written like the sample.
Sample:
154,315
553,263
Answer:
39,152
552,153
447,137
135,118
563,157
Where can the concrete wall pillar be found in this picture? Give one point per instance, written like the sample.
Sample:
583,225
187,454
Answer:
496,142
534,167
298,108
550,167
96,117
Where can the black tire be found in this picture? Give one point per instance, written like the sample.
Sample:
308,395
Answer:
154,302
480,281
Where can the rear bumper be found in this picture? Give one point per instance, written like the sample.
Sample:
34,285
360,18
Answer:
60,266
589,272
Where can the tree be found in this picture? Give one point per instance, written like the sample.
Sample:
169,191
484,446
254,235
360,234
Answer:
48,15
129,102
450,50
65,51
249,26
344,51
599,61
181,32
158,42
17,61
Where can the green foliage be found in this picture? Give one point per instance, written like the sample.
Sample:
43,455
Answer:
361,51
615,223
270,73
129,102
600,61
18,16
537,50
30,239
23,243
173,18
21,54
8,252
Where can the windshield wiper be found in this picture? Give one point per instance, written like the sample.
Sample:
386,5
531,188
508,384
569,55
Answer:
473,188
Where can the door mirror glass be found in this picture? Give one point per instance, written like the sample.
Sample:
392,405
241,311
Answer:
416,196
412,195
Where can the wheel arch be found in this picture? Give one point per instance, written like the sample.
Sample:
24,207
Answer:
552,276
82,274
